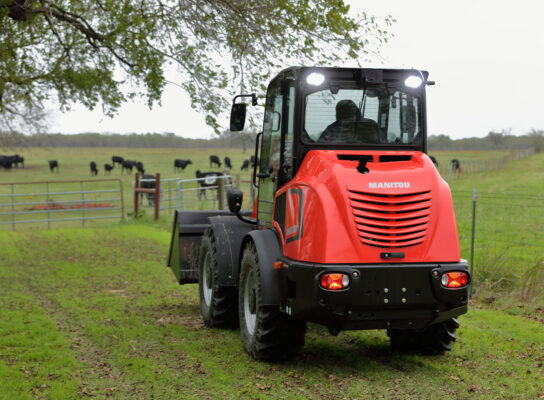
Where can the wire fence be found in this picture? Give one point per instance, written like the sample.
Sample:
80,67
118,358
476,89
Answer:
468,166
508,239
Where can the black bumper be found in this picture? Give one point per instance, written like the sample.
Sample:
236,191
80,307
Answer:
380,296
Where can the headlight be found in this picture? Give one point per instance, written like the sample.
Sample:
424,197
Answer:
315,79
413,81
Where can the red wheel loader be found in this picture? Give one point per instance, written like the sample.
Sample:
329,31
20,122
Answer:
353,227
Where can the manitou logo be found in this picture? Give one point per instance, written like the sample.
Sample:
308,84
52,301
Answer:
388,185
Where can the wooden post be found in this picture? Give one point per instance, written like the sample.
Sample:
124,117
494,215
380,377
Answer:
136,194
157,195
220,190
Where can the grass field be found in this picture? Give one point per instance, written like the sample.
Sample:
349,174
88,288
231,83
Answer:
95,312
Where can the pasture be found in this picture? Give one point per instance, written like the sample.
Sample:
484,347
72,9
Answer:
95,312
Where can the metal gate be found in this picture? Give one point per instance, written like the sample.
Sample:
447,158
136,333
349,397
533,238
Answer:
50,202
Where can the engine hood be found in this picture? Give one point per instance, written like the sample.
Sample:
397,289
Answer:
339,210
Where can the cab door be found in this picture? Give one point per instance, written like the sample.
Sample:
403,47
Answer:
269,163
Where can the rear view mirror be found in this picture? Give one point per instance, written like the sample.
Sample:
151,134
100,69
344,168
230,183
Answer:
237,117
234,199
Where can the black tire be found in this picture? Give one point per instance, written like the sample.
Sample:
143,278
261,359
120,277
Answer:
217,304
267,333
436,339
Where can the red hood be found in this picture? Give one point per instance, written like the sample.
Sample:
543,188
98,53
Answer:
400,205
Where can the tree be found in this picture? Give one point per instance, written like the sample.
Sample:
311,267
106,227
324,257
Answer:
537,138
105,52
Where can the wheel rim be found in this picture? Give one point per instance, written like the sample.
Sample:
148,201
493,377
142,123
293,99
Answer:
207,279
250,303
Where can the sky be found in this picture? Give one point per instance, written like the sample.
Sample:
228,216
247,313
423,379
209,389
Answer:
486,57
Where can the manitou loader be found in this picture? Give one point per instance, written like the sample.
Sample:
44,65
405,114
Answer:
353,227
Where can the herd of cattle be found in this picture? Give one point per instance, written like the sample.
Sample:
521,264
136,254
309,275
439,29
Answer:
7,162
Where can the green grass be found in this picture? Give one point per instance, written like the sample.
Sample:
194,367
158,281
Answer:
95,312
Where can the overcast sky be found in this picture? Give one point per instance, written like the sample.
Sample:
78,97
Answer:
486,56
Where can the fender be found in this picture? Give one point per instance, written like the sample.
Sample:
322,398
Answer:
269,250
229,232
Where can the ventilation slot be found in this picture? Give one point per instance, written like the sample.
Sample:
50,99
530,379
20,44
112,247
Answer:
391,221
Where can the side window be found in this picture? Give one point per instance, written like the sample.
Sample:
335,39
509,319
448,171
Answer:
270,153
289,135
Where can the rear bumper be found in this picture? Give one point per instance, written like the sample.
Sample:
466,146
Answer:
380,296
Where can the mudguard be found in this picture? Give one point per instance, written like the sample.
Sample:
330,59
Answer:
269,250
229,232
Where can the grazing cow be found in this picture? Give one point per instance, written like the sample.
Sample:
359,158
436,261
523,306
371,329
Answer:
456,166
6,162
117,159
108,168
128,165
94,171
215,160
140,167
245,165
206,181
148,182
434,161
181,164
53,164
228,163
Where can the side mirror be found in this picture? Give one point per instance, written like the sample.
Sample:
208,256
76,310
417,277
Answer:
237,116
234,199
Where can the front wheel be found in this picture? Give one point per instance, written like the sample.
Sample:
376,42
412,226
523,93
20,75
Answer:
435,339
267,333
217,304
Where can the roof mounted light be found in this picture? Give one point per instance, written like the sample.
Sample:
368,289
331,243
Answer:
413,81
315,79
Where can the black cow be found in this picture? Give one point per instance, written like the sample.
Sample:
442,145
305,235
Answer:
140,167
228,163
128,165
117,159
181,164
108,168
94,171
53,164
6,162
456,166
245,165
148,182
215,160
206,180
434,161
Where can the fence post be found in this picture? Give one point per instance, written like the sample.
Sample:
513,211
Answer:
220,190
82,205
48,205
169,197
472,241
157,195
237,181
136,194
12,207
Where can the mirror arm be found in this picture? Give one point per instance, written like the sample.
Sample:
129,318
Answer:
255,165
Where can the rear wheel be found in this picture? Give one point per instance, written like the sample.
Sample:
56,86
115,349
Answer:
435,339
217,304
267,333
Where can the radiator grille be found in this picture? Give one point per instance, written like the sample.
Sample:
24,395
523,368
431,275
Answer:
398,220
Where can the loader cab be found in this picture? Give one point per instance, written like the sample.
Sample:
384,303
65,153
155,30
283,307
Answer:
335,109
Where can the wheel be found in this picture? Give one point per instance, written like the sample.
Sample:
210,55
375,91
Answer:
217,304
435,339
267,333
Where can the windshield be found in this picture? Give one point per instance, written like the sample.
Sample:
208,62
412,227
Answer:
355,116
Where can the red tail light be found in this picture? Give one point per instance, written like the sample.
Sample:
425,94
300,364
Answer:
334,281
454,279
